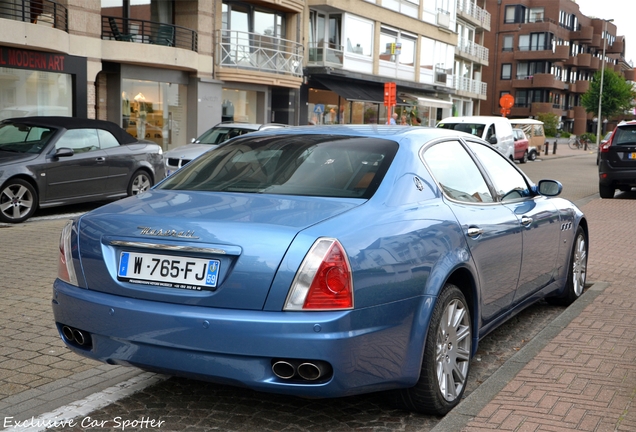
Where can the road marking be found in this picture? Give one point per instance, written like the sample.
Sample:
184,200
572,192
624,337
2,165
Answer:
83,407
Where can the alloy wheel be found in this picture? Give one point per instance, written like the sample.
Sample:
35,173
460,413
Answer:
453,350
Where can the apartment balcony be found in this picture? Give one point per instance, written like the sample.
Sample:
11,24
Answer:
584,59
546,107
597,41
560,53
520,111
617,47
541,80
595,63
470,87
251,54
572,61
581,86
325,55
472,51
584,34
472,13
148,32
522,82
44,12
629,74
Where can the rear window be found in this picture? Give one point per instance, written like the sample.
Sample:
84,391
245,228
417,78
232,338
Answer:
307,165
476,129
217,135
625,135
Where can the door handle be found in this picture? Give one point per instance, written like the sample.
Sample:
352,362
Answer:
474,232
100,159
526,221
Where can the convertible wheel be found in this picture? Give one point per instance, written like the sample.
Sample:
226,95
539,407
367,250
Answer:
140,182
446,360
18,201
577,272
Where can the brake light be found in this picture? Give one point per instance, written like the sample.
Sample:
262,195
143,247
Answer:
604,148
324,280
65,267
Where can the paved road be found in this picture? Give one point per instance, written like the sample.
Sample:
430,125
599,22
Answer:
38,374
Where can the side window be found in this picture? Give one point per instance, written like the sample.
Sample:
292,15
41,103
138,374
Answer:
80,140
509,183
491,132
456,173
106,139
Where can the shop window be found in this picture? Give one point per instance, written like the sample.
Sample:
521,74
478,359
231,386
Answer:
26,93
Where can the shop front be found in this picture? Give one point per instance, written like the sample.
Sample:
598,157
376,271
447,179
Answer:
36,83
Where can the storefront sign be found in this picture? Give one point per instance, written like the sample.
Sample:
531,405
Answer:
26,59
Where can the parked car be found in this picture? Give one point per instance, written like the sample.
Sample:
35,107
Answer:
521,145
321,262
495,130
617,164
535,132
53,161
178,157
601,144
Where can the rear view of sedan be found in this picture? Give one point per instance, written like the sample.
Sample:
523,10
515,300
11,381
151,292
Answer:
321,262
53,161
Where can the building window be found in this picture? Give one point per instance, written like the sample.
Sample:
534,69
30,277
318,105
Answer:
515,14
508,43
536,14
506,71
397,46
359,35
25,93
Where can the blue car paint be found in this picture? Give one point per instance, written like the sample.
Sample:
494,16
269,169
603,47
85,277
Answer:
168,330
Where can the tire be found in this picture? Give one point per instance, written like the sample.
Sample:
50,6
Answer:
140,182
18,201
532,155
606,191
446,361
577,272
573,144
524,159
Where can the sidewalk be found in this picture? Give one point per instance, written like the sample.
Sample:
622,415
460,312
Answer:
562,149
584,377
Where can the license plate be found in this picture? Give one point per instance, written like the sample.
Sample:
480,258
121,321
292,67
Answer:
168,271
631,155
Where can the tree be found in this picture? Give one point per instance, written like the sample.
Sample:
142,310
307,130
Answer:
550,123
618,95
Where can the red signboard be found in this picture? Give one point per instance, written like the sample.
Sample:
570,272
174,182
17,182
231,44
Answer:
389,94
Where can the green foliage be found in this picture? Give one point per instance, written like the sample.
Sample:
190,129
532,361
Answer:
617,94
588,136
565,134
550,123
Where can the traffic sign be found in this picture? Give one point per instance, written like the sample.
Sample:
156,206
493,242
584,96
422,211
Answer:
506,101
319,108
389,94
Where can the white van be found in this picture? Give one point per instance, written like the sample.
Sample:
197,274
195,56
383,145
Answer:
495,130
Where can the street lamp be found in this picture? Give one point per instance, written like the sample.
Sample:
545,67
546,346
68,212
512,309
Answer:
599,123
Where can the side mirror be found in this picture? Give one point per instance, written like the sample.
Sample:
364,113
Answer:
63,152
549,187
193,140
492,139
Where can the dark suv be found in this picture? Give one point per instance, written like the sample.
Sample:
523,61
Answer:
617,164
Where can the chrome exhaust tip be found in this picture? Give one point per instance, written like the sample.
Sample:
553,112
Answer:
283,369
310,371
68,333
79,337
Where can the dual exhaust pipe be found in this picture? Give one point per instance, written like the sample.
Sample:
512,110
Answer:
306,370
76,336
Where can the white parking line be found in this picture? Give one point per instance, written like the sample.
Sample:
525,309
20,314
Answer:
77,412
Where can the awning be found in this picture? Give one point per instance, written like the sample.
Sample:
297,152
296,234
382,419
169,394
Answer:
354,90
424,101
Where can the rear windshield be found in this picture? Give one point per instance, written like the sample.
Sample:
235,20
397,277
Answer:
625,135
20,138
476,129
217,135
308,165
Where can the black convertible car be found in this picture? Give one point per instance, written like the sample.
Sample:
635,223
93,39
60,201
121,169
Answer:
52,161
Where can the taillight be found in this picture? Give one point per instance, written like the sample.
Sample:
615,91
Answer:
323,281
604,148
65,267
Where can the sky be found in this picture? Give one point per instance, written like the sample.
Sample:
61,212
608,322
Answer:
623,12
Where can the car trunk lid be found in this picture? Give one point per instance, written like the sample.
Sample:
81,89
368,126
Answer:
238,240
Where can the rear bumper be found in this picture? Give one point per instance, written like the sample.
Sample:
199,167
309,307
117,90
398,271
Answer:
369,350
609,176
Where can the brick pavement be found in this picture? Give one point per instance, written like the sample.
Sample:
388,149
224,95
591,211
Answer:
584,379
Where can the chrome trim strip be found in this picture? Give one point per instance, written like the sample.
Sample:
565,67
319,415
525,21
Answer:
165,247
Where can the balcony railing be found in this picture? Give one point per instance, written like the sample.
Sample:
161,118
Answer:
244,50
471,9
44,12
323,54
470,47
470,85
148,32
